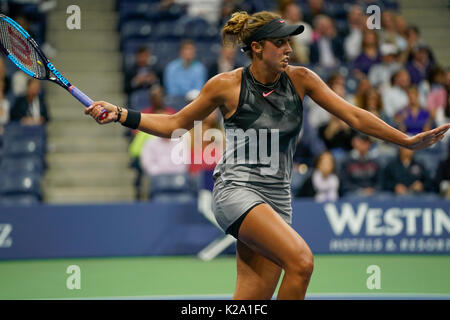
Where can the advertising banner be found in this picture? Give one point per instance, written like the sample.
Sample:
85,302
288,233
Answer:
411,226
354,227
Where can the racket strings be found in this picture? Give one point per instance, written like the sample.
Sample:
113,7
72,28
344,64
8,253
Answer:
19,47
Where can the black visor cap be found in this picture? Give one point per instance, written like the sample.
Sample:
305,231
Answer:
277,28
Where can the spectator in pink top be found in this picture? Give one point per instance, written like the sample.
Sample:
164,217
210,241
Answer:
159,157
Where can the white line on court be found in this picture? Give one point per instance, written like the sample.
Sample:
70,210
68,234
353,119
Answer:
312,296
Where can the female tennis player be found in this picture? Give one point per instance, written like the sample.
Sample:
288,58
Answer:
252,204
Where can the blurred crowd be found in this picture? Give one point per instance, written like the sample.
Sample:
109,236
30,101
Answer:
21,97
390,72
23,111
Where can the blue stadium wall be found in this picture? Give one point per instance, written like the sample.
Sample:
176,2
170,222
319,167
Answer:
145,229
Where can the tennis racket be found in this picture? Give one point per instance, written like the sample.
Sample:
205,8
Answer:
24,52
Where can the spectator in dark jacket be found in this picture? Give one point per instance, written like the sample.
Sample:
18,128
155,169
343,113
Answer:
336,134
404,175
361,172
327,48
142,74
30,109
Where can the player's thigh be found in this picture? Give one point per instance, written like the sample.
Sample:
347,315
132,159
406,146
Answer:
257,276
264,231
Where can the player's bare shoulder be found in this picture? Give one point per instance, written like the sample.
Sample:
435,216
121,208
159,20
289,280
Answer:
225,85
226,88
298,73
300,78
227,80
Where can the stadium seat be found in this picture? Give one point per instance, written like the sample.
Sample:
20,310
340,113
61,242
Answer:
174,12
136,29
139,99
205,180
149,10
198,28
171,184
167,30
16,130
16,146
32,165
138,10
21,200
184,197
20,184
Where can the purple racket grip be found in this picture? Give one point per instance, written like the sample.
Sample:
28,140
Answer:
84,99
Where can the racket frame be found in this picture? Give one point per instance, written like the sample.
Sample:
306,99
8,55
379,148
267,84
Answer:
52,73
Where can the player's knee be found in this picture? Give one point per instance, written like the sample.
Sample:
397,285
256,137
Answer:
302,265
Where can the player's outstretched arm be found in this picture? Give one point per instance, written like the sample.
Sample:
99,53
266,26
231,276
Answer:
362,120
164,125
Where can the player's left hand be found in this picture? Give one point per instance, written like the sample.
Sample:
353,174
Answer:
428,138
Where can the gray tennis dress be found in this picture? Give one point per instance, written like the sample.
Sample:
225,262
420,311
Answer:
261,137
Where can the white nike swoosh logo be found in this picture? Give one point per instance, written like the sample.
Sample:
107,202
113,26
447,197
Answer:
266,94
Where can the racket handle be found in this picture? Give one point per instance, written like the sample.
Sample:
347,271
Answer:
84,99
80,96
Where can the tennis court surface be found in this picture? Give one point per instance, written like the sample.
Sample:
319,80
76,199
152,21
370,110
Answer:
186,277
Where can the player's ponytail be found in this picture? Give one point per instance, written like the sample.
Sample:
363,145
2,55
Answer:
241,25
234,30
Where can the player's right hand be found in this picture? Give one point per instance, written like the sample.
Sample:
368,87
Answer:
96,109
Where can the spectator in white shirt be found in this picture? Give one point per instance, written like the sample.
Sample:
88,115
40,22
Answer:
380,74
326,49
353,41
395,98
